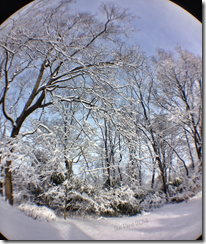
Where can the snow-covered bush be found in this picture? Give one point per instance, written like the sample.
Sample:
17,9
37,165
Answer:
52,198
189,187
81,204
125,202
79,198
37,212
83,199
153,200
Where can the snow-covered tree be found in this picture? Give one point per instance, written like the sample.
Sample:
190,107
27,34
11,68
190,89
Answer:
178,90
58,49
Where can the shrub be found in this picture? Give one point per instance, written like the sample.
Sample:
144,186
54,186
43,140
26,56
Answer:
188,188
37,212
153,200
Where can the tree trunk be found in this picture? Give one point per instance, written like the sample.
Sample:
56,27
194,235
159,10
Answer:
153,176
190,152
132,165
162,175
159,163
120,175
106,154
140,173
8,174
65,203
69,165
169,172
8,184
1,182
120,159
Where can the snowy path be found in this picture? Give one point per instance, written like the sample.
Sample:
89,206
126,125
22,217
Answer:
182,221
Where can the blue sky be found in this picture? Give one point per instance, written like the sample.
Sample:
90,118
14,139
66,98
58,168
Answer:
162,24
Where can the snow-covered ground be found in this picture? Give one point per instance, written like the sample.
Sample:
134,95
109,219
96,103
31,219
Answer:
179,221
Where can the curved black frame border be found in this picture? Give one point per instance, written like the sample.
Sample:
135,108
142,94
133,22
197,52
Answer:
193,7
